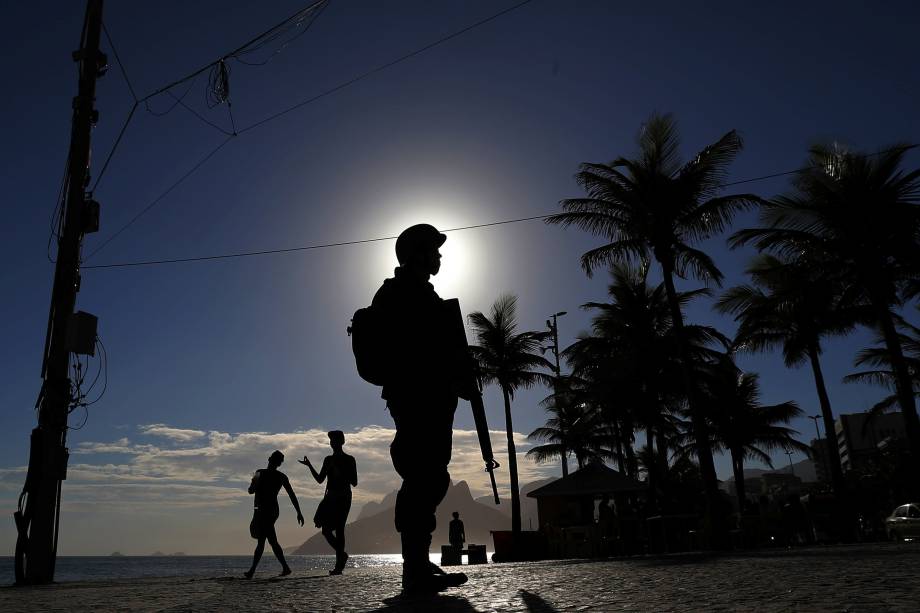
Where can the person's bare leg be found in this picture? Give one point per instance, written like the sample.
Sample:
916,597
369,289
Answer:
256,556
331,538
341,557
279,553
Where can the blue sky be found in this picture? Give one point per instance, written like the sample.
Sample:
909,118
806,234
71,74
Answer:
486,127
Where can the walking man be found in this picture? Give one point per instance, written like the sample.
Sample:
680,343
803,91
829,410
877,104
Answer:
421,391
265,484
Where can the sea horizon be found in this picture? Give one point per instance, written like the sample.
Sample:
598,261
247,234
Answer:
148,566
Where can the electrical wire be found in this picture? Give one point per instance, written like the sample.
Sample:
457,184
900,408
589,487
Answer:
261,122
385,66
57,217
162,195
108,158
243,254
199,116
296,24
253,44
78,395
124,73
104,367
303,248
175,103
124,127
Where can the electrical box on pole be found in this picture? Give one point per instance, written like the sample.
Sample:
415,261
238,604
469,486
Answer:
38,516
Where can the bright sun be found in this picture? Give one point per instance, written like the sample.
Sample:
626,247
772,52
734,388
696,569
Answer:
460,272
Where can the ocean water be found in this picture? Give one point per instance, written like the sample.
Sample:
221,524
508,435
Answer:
83,568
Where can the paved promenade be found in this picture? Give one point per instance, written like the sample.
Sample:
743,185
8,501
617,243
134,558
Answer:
876,577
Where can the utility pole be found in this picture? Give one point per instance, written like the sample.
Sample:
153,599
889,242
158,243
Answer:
554,328
38,521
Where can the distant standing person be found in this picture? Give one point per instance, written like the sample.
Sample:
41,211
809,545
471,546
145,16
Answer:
341,474
457,535
266,484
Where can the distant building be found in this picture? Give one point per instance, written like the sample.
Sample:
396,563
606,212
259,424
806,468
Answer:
780,484
591,512
861,435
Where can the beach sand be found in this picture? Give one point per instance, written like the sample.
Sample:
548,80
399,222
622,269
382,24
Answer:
873,577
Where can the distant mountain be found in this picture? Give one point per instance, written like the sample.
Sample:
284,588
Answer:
528,505
372,508
805,470
375,533
116,554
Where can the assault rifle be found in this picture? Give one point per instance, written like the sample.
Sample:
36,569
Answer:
470,384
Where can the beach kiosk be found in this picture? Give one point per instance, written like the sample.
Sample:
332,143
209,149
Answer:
589,513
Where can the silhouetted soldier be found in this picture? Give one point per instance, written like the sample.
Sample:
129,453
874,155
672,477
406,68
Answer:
421,391
341,474
266,484
456,534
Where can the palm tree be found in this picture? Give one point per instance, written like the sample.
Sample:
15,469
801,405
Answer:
856,218
744,427
882,373
510,359
657,206
576,429
792,306
561,406
629,363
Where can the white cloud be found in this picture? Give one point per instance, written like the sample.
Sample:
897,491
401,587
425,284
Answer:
177,434
201,473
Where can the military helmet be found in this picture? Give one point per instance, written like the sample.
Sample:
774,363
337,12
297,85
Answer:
420,237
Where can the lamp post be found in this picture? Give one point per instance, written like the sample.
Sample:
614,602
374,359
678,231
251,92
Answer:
554,329
823,452
815,418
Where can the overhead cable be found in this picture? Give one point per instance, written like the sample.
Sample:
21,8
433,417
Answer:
341,86
303,248
243,254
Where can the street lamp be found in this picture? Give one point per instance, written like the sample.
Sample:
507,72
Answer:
554,328
816,418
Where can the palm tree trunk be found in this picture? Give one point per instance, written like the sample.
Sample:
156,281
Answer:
832,452
652,469
565,462
662,465
618,445
903,382
715,516
512,467
738,470
631,466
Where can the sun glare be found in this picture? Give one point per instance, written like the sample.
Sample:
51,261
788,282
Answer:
460,261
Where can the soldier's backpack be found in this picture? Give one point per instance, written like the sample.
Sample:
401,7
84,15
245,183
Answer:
369,345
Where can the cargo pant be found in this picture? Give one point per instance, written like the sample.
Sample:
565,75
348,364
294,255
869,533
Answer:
420,452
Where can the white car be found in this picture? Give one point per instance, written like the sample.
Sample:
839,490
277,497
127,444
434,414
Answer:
904,522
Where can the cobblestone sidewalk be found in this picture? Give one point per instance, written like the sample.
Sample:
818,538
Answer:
876,577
